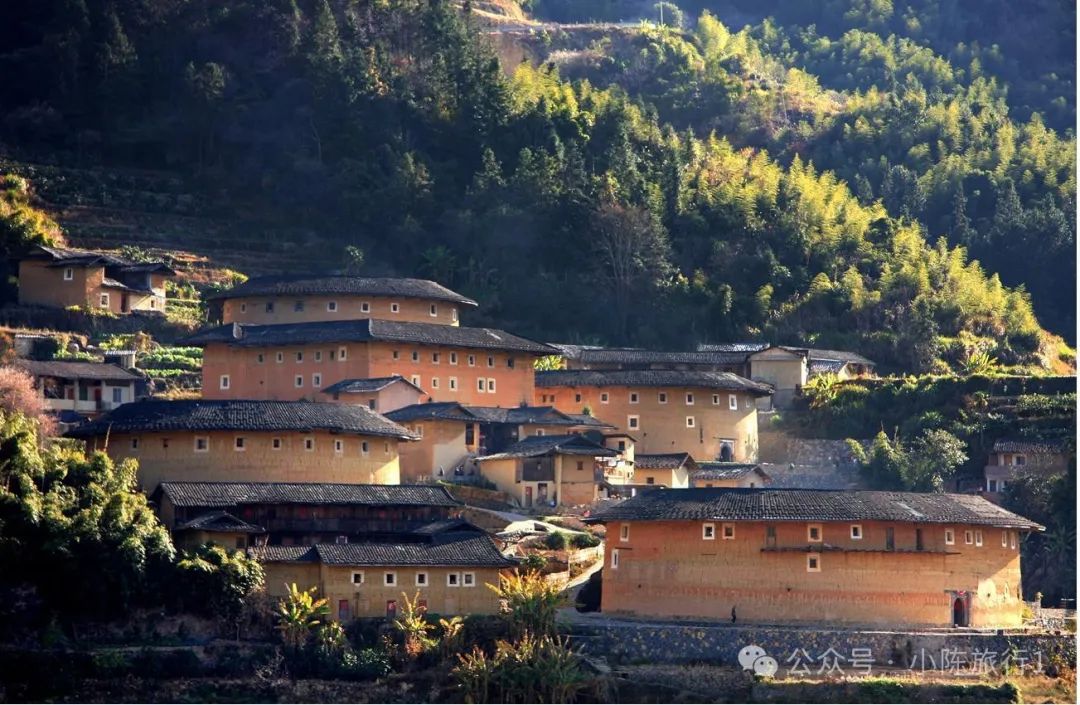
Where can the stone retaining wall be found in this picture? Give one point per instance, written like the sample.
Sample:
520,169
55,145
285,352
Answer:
626,642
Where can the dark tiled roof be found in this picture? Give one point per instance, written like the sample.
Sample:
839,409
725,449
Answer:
240,415
539,415
818,354
365,330
444,525
589,420
1032,445
661,461
231,494
744,348
219,521
68,257
726,471
651,378
345,285
731,504
284,554
624,356
76,370
367,385
817,367
456,548
535,446
432,411
453,411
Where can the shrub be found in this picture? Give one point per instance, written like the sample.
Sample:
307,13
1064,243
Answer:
532,563
556,541
584,541
531,669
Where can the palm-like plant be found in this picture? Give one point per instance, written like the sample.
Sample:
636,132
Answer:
531,602
298,614
414,627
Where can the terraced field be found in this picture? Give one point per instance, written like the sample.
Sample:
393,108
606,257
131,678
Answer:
157,212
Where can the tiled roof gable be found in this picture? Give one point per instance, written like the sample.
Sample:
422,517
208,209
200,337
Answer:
241,415
738,504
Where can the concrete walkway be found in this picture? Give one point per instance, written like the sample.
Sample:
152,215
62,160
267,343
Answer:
523,522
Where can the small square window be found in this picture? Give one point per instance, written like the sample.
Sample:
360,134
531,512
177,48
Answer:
389,579
434,310
716,399
416,356
453,315
614,559
604,398
435,358
309,444
632,422
1012,539
624,532
708,532
275,444
415,379
202,444
224,381
813,563
69,274
856,532
269,306
577,398
472,360
364,447
280,357
510,362
453,358
453,580
969,537
421,579
733,402
480,386
690,422
299,356
298,305
299,381
358,577
728,532
365,307
633,397
339,445
104,301
978,538
453,383
134,443
239,443
260,358
468,579
342,353
1004,539
491,385
662,397
950,537
491,361
331,306
243,308
689,399
434,382
316,380
813,533
394,308
396,355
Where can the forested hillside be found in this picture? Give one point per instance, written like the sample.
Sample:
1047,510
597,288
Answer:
789,181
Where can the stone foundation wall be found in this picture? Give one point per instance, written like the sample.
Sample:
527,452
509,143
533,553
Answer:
627,642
